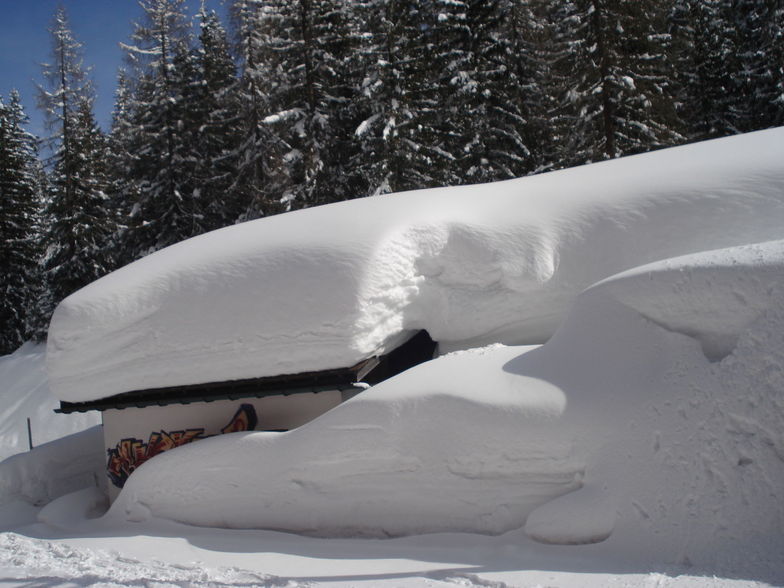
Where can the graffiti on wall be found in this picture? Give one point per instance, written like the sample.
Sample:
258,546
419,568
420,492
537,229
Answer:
130,453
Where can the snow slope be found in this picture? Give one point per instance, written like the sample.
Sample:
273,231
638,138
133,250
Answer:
53,469
68,449
456,445
675,371
327,286
24,393
650,423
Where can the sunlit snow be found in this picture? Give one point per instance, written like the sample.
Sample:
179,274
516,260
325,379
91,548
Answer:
643,434
325,287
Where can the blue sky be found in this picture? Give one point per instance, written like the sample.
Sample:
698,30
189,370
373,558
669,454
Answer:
100,25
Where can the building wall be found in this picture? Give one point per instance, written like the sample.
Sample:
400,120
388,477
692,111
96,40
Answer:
134,435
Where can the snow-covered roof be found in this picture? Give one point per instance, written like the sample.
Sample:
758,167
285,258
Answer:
352,379
329,286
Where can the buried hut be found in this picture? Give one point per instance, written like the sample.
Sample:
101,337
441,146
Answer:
259,326
140,424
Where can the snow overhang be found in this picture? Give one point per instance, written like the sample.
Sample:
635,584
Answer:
371,370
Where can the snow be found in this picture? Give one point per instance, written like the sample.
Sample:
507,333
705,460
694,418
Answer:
187,556
24,393
456,458
619,429
68,451
54,469
328,286
46,561
639,445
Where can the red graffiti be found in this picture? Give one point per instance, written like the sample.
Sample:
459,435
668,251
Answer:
130,453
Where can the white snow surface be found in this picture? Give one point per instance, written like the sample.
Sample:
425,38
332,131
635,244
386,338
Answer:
328,286
649,424
159,555
456,445
53,469
641,445
24,393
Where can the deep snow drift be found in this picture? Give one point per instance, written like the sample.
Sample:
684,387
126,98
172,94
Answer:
651,420
646,430
53,469
65,456
456,445
24,393
325,287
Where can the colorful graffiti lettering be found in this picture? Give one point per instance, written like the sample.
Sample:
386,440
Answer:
130,453
243,420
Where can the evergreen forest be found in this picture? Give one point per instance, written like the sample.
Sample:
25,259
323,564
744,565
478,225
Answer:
290,104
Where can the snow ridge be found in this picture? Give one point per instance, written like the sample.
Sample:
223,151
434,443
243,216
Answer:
327,286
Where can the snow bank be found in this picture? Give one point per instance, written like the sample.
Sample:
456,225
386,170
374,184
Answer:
325,287
24,393
674,376
67,455
621,428
712,296
54,469
454,445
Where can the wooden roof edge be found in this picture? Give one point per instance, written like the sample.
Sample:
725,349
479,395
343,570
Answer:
283,385
113,403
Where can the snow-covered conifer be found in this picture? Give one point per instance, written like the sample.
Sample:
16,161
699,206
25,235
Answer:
305,46
402,145
258,179
19,215
487,63
121,157
704,53
616,95
165,211
214,136
77,220
758,82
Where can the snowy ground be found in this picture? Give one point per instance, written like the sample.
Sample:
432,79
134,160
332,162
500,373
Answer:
641,445
163,554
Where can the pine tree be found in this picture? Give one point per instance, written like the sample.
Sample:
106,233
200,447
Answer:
705,57
123,190
758,28
19,215
166,210
771,98
617,95
259,179
535,80
78,224
489,83
215,112
305,48
402,145
729,57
